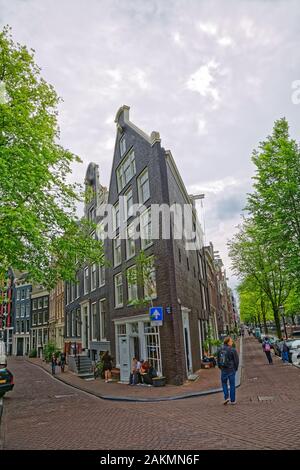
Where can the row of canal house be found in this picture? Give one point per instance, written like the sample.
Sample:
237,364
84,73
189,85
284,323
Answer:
99,315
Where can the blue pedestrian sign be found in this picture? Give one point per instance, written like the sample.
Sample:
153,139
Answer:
156,314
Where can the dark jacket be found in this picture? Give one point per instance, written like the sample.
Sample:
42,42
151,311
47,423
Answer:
285,347
233,359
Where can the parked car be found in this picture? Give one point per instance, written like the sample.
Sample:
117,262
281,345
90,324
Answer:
277,347
295,334
294,350
6,377
6,381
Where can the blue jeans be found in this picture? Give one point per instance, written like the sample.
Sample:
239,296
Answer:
285,356
225,376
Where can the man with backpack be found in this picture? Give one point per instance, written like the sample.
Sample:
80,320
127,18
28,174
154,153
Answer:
266,345
285,352
228,362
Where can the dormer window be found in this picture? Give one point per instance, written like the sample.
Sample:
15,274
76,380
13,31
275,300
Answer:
122,146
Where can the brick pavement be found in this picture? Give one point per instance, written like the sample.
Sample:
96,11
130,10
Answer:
208,381
43,413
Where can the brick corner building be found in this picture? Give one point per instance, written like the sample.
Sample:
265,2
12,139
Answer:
144,173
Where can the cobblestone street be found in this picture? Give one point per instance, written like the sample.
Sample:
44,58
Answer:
43,413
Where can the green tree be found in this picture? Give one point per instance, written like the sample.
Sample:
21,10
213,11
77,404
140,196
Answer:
275,202
253,256
142,276
39,230
292,304
254,304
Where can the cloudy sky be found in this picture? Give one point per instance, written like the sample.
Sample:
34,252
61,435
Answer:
210,76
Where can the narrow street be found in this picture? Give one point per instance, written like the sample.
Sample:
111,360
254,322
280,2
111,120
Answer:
43,413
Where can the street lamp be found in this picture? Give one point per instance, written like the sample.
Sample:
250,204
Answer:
281,309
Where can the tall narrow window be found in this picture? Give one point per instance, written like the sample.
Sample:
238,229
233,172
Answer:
126,171
101,275
131,284
150,290
102,307
118,281
143,187
128,203
117,251
94,277
116,217
146,229
130,242
94,322
122,146
77,287
86,280
78,323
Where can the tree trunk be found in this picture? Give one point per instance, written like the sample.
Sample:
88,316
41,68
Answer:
263,310
277,321
259,320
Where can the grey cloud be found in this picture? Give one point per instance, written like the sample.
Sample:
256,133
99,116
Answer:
230,207
78,45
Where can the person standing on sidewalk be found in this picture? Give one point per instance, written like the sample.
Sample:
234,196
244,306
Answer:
62,362
285,352
107,366
53,363
266,345
228,362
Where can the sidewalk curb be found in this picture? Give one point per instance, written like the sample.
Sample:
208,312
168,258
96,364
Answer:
152,400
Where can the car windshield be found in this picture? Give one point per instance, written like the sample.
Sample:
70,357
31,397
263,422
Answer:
295,344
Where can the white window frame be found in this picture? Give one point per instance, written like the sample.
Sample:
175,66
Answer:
101,275
129,240
93,277
77,290
102,320
86,280
94,320
146,293
117,251
128,197
118,302
145,242
132,292
152,341
123,177
116,216
142,200
122,146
